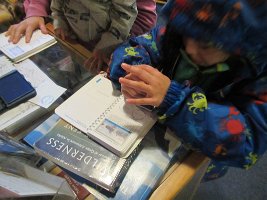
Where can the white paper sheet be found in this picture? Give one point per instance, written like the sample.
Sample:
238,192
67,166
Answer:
5,66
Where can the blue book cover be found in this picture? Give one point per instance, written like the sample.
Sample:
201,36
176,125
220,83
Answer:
41,130
36,135
69,148
159,149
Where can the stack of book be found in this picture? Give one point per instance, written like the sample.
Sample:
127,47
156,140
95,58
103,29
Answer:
74,151
87,166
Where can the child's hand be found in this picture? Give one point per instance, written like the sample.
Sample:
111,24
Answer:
145,85
27,26
129,92
61,33
98,62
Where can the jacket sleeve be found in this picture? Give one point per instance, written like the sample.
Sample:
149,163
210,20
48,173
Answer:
146,18
122,16
59,20
144,49
35,8
233,132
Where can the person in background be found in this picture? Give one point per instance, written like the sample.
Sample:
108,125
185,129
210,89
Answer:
98,25
10,13
37,11
206,75
146,18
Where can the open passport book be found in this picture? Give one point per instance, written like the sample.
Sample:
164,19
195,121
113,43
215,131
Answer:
22,50
99,110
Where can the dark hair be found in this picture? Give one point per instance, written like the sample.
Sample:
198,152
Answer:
171,44
16,10
19,10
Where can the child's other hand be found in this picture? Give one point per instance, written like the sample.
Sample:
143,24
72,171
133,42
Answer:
61,33
98,62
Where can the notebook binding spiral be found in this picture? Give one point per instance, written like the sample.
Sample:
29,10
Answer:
98,120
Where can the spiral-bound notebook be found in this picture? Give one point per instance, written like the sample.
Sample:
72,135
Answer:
99,110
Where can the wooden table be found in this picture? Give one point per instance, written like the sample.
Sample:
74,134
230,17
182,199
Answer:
181,177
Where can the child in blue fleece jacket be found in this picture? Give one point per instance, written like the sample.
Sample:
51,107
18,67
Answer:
206,73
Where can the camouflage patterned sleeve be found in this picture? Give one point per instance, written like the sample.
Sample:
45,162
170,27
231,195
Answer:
122,15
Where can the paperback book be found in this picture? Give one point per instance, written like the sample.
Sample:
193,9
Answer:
99,110
46,165
160,148
22,50
71,149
